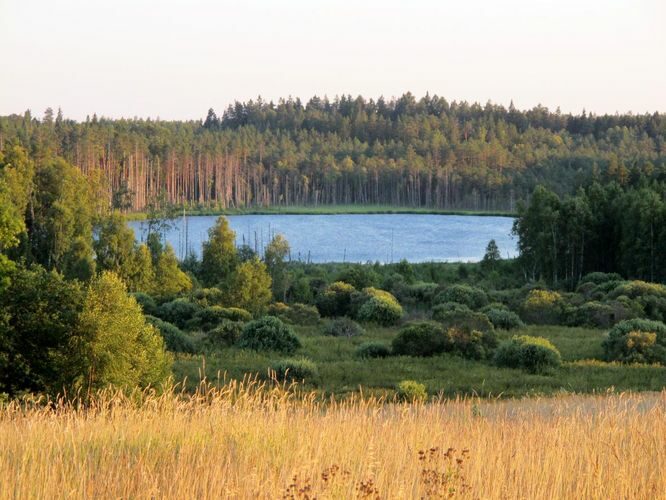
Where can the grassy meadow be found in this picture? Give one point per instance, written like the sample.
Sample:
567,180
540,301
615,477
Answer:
245,441
340,372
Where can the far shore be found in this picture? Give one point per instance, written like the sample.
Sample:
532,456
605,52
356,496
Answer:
328,210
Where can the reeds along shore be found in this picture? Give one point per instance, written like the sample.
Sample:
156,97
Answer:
248,440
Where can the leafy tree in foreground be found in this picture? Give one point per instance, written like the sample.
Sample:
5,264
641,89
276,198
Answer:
116,344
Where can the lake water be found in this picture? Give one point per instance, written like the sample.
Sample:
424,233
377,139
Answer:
356,237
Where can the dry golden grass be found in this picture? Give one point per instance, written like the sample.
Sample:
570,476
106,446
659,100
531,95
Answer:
245,441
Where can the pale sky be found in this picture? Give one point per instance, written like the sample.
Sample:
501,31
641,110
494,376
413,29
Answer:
175,58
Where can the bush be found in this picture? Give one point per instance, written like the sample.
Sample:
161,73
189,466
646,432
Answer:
225,334
373,350
297,314
440,310
424,338
598,278
178,311
472,297
359,276
336,299
147,303
463,318
174,338
379,307
209,317
268,334
504,319
207,297
532,354
542,307
343,327
419,293
634,289
295,369
593,314
411,391
636,341
469,343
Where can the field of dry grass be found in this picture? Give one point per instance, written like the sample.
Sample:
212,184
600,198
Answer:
242,441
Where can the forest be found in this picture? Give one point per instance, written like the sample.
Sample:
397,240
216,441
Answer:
401,152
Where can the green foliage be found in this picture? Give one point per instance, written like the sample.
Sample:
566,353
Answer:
116,345
359,276
250,287
206,297
420,339
599,278
373,350
542,307
504,319
268,334
225,334
297,314
594,314
38,323
469,343
636,341
441,310
411,391
532,354
175,340
295,369
472,297
275,257
465,319
491,257
219,257
210,317
343,327
336,299
379,306
147,303
178,311
169,279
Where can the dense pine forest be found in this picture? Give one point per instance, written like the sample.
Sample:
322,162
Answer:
403,152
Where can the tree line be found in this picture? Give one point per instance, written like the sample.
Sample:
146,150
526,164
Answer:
600,228
427,152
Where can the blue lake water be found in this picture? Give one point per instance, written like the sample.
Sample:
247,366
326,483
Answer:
356,237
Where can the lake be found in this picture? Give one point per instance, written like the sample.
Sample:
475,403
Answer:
356,237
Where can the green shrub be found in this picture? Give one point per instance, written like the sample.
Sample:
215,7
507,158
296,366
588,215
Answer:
593,314
295,369
469,343
268,334
441,309
424,338
637,288
636,341
300,314
225,334
461,318
147,303
343,327
542,307
532,354
472,297
598,278
504,319
373,350
178,311
359,276
379,307
419,293
175,340
209,317
411,391
207,297
335,299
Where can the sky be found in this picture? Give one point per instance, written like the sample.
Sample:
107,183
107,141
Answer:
174,59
